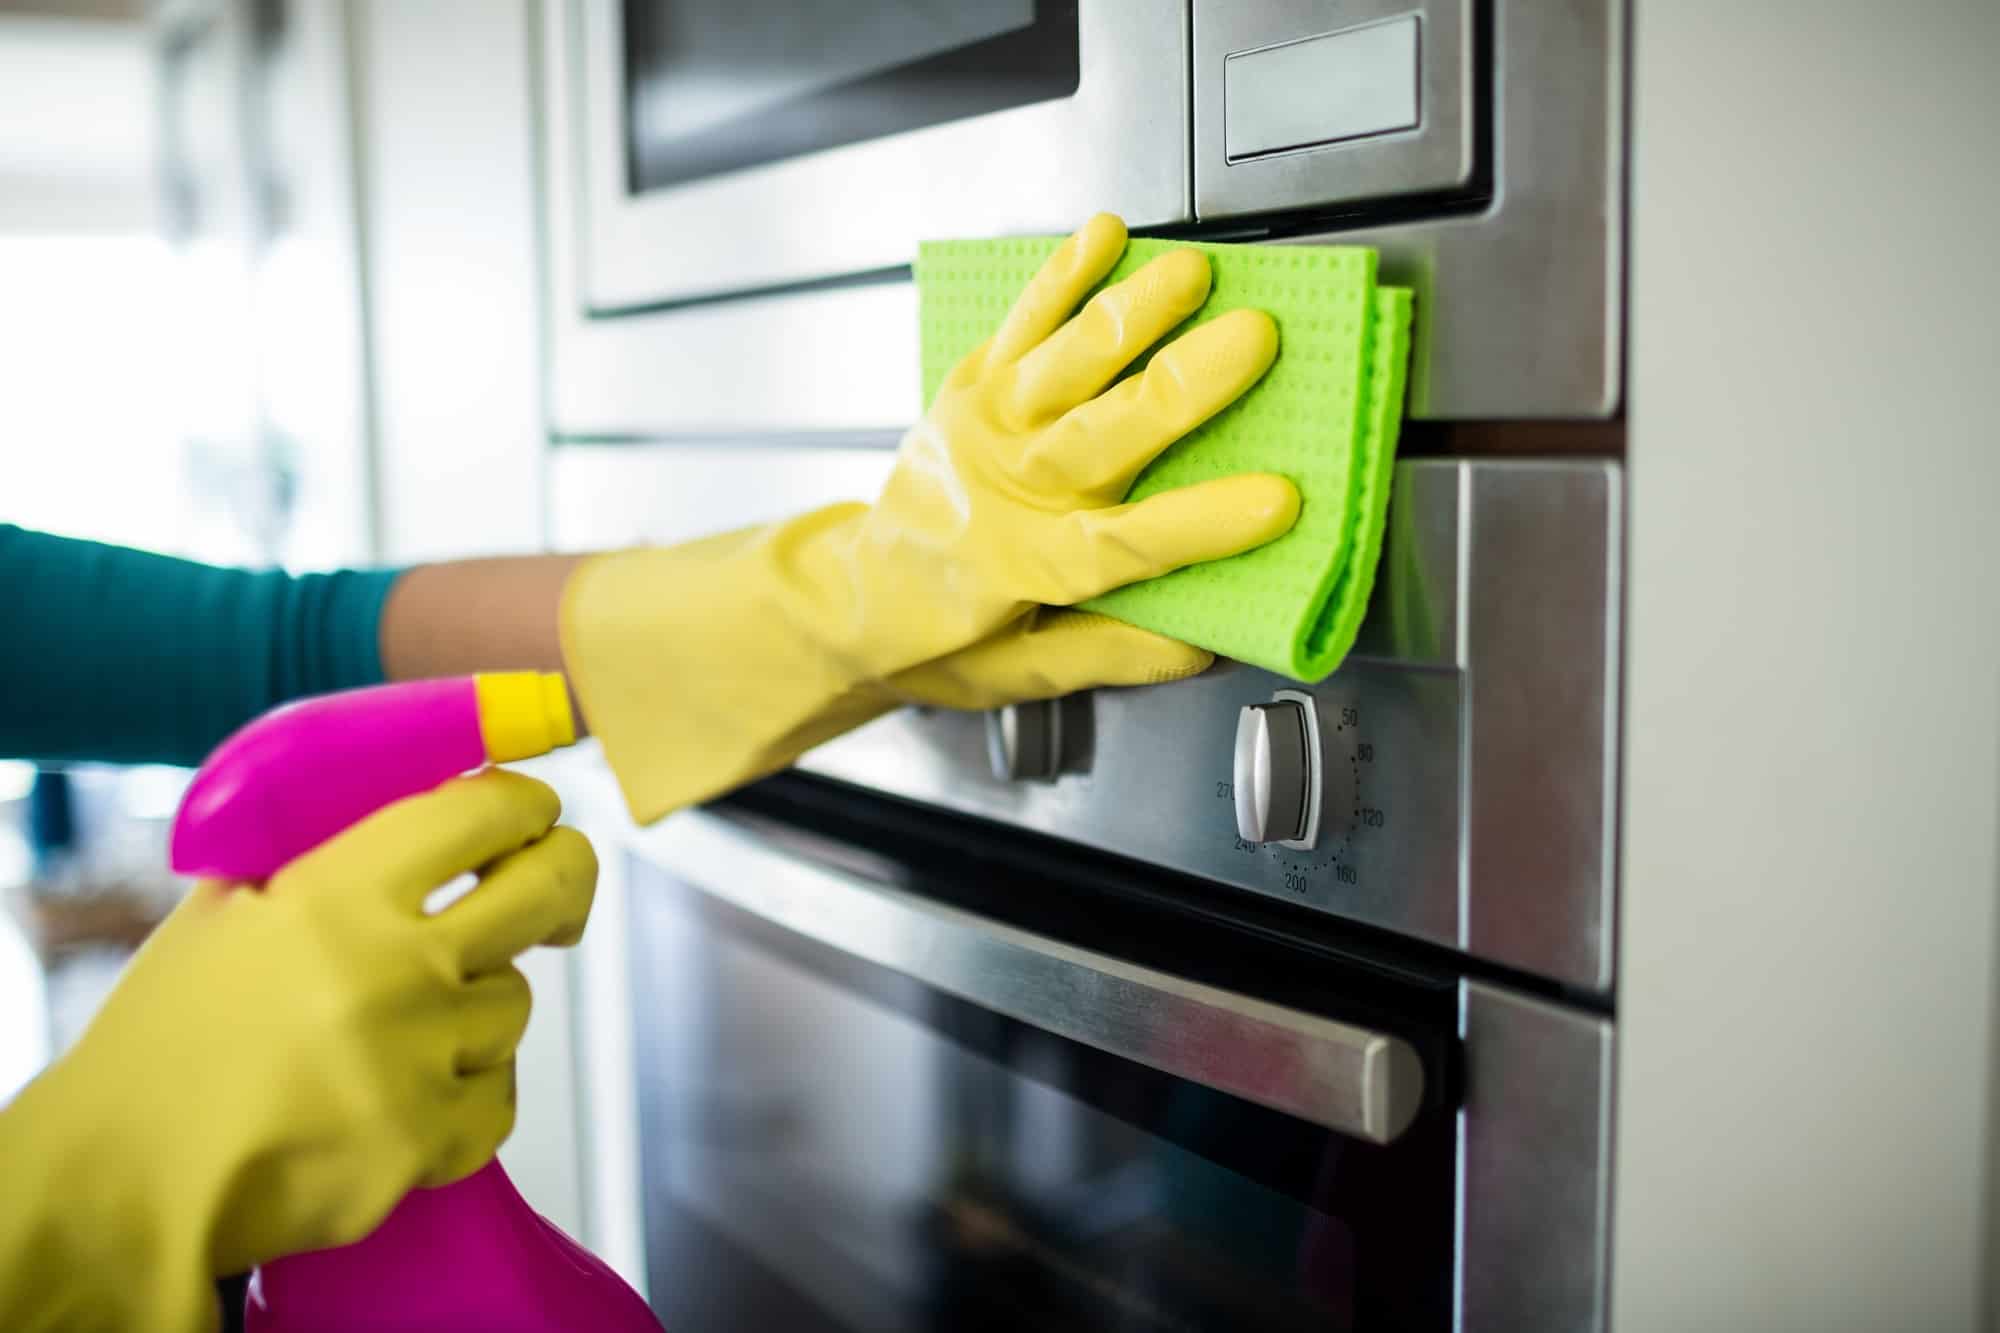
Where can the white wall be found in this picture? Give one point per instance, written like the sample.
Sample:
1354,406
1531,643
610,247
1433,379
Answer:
446,152
1813,698
77,147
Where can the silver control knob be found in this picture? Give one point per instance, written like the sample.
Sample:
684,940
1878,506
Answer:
1277,772
1024,741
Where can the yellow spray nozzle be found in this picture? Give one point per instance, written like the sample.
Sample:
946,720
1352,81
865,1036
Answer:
523,714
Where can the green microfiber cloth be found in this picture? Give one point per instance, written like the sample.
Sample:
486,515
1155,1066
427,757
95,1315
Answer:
1326,416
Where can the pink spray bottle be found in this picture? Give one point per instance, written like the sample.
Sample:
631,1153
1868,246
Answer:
472,1255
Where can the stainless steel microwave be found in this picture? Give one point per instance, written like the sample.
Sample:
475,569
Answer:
725,168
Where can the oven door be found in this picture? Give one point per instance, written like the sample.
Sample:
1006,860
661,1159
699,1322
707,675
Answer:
735,145
898,1072
865,1104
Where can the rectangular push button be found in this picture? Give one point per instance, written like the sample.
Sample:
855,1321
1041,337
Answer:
1321,90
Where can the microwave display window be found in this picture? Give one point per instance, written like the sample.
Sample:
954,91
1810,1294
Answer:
713,86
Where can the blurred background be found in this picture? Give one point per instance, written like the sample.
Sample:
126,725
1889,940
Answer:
199,360
314,283
153,217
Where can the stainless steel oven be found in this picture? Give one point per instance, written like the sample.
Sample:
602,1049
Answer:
1013,1017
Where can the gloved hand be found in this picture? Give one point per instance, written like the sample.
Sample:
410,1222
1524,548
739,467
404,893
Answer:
707,665
278,1067
1047,653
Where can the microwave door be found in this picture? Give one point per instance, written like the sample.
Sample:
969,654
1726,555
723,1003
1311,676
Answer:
730,146
716,86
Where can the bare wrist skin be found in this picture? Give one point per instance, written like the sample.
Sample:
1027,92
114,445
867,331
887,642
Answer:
497,614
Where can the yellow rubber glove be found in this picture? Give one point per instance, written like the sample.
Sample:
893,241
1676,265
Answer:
703,666
277,1068
1044,655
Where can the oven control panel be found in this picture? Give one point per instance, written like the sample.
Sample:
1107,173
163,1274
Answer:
1327,815
1452,780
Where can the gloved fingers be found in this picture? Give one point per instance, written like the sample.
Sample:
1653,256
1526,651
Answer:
540,894
475,1125
1102,445
1065,277
420,842
1075,363
492,1014
1046,655
1092,551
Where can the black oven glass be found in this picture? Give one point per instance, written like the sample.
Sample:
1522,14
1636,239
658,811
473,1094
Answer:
827,1145
717,85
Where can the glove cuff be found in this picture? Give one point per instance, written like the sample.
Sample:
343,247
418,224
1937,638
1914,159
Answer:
83,1242
704,666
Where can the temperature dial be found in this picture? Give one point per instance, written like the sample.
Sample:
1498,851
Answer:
1024,742
1278,771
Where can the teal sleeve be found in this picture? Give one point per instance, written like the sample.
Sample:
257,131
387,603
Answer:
128,657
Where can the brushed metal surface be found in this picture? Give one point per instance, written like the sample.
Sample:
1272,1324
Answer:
1316,91
1470,740
1119,143
1519,299
1520,303
1350,1079
1159,788
1542,736
821,361
1534,1164
1437,154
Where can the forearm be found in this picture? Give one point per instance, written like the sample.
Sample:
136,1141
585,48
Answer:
475,615
126,656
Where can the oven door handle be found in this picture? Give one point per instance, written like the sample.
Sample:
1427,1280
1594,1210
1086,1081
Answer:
1359,1082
